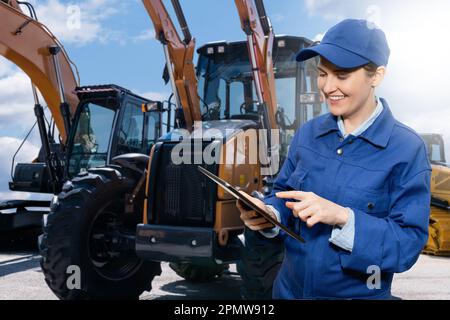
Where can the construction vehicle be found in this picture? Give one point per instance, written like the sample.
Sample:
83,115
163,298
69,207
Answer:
34,49
183,217
439,229
94,123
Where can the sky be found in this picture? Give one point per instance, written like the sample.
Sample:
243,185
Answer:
112,41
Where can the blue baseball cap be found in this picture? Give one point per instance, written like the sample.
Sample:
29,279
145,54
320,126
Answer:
350,44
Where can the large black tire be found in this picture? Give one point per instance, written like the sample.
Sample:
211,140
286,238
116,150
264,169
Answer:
260,262
88,211
196,273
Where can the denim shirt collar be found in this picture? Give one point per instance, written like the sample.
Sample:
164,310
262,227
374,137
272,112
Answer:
363,126
378,133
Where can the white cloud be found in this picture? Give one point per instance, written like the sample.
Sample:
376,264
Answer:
316,5
337,10
145,35
16,119
277,17
416,82
325,8
16,103
9,146
5,67
318,37
157,96
82,22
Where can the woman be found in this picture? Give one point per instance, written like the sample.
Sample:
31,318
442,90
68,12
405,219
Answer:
356,183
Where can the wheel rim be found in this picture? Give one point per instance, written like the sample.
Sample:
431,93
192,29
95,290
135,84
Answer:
104,253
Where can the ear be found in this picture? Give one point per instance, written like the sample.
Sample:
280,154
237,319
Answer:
378,76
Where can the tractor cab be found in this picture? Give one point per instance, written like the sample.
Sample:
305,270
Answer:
110,121
226,83
226,89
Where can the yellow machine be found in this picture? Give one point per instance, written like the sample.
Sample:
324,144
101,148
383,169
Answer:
439,229
32,47
119,221
94,123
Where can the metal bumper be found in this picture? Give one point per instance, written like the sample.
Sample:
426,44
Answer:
15,214
182,244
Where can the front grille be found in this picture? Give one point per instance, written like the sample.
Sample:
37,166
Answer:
173,190
179,193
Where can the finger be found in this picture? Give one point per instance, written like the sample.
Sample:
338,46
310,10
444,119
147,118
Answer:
254,200
256,221
307,213
298,195
311,222
254,228
248,215
299,206
260,226
267,225
290,204
242,208
239,206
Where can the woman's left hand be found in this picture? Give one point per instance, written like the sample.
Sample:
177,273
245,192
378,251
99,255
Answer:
313,209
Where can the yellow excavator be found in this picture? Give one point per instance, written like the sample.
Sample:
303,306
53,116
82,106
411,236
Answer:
33,48
439,228
116,223
94,123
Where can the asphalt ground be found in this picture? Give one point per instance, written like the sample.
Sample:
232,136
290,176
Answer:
22,279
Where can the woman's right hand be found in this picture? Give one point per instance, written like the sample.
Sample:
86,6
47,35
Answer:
251,219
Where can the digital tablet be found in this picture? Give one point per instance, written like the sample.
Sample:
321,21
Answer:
248,202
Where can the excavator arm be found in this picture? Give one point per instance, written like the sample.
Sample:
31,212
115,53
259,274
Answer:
34,49
260,38
179,58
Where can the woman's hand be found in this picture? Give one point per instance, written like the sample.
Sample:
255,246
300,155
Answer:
313,209
251,219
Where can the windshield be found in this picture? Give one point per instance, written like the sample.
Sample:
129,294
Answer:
91,138
436,153
138,131
226,85
435,147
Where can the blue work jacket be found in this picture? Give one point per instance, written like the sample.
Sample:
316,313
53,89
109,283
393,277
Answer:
383,175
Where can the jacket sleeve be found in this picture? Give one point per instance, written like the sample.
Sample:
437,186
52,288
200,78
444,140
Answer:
394,243
280,184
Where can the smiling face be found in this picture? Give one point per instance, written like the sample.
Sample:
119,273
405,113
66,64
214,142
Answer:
349,93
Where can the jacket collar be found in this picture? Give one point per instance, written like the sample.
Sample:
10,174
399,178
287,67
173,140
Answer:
378,133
